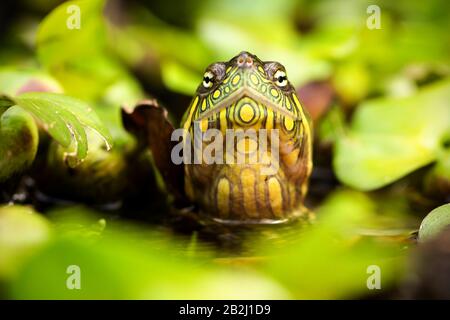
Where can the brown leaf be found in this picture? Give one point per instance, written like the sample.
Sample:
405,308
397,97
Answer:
316,98
148,122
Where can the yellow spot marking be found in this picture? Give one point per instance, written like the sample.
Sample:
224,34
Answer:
223,197
288,123
275,197
204,124
288,104
248,190
246,113
227,89
236,79
261,70
261,195
274,92
269,120
254,79
223,119
216,94
203,104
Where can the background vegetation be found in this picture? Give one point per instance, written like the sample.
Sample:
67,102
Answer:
77,189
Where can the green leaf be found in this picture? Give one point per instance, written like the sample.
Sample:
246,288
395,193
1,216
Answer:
22,232
436,221
179,78
59,28
133,265
368,162
391,137
65,118
78,57
19,140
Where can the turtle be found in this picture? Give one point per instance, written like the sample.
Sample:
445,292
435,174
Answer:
242,153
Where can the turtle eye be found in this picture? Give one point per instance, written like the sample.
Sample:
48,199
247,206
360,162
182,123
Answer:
280,78
208,78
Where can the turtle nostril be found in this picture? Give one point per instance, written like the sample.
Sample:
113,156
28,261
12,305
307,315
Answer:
244,60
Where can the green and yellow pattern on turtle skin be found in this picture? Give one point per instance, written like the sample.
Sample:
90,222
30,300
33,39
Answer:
246,93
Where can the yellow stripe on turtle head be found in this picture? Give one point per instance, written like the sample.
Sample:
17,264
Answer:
187,122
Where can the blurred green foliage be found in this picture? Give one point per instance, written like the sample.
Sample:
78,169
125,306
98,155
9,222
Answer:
436,221
117,268
77,58
389,117
123,261
18,141
22,233
391,137
330,260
